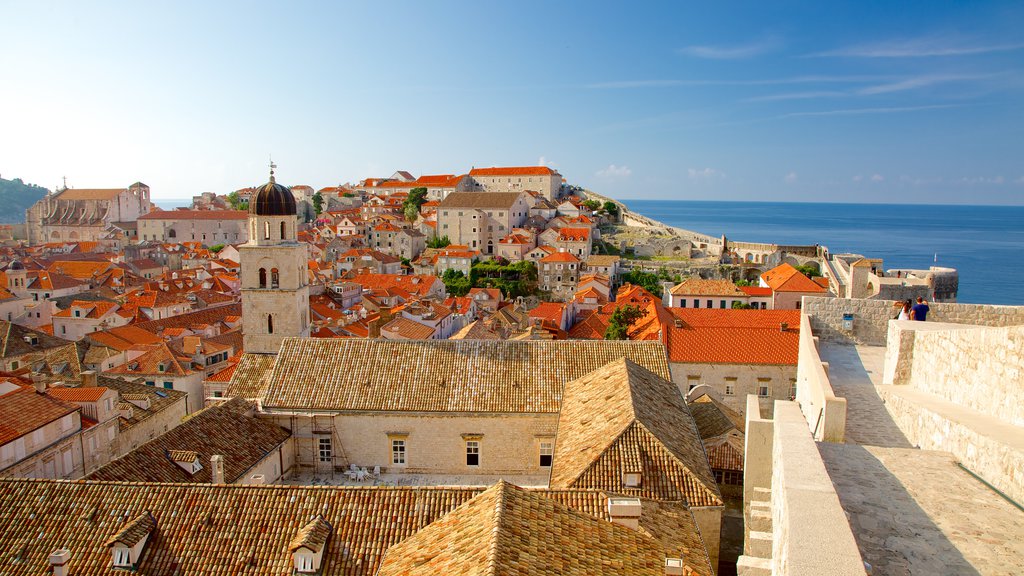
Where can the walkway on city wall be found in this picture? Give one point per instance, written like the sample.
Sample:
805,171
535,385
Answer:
914,511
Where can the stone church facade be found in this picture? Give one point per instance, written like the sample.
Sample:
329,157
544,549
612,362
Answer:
84,214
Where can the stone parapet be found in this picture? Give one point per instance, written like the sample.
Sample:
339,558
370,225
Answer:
871,317
824,412
810,531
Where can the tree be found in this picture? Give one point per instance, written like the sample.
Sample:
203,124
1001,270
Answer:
513,279
411,206
611,208
622,320
592,205
16,196
737,305
647,280
809,270
216,248
318,203
236,201
741,283
455,282
439,242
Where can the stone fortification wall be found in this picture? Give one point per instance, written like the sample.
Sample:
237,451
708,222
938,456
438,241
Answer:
824,412
810,531
981,369
871,317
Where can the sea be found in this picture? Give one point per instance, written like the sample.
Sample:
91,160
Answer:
984,243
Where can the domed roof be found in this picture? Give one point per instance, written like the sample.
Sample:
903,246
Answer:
16,265
272,199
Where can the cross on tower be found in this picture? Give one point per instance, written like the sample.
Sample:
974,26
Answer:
272,166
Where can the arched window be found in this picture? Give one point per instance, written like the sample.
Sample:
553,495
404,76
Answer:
274,280
263,277
282,230
266,230
172,233
270,324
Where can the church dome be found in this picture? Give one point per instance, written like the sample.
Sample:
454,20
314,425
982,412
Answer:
16,265
272,199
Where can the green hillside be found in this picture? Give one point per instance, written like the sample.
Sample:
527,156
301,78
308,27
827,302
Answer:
16,197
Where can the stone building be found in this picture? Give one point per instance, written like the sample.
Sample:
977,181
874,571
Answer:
211,227
541,179
84,213
480,221
275,294
735,353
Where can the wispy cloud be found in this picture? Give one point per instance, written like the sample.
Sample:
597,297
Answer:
918,82
919,48
795,80
972,180
613,171
704,174
857,111
735,52
1019,180
790,178
543,161
877,178
797,96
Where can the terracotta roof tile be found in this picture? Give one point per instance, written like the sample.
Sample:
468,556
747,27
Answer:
786,278
79,394
254,525
251,374
513,171
439,375
701,287
226,429
734,336
639,423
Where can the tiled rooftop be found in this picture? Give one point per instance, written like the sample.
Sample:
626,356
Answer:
207,530
440,375
622,419
226,429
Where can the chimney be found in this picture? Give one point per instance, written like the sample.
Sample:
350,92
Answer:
40,385
59,560
625,511
217,468
784,326
88,379
257,480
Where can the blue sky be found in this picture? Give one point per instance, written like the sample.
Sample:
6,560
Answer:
782,101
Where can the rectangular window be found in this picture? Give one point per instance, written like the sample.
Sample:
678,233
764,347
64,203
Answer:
682,302
792,388
711,304
547,449
730,390
150,383
763,390
721,304
169,385
398,451
696,303
799,304
472,453
324,450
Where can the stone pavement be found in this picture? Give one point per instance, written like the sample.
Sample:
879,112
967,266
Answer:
911,511
916,512
854,371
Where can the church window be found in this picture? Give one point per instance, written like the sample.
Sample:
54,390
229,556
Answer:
263,277
282,230
172,233
266,230
274,280
270,324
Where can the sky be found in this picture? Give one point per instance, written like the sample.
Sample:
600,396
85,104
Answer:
895,102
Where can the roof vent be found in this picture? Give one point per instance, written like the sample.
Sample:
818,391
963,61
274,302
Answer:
784,326
307,548
679,323
187,459
31,339
631,479
217,468
59,560
257,479
128,543
674,567
625,511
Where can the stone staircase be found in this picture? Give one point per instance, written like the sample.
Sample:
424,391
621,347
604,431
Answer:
757,557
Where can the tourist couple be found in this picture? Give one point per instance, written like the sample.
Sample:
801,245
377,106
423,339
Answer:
917,311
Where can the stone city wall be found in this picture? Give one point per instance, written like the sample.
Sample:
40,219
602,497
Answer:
871,317
824,412
982,369
810,531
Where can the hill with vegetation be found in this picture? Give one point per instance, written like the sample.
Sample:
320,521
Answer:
16,197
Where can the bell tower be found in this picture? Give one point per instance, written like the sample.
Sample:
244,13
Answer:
275,295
